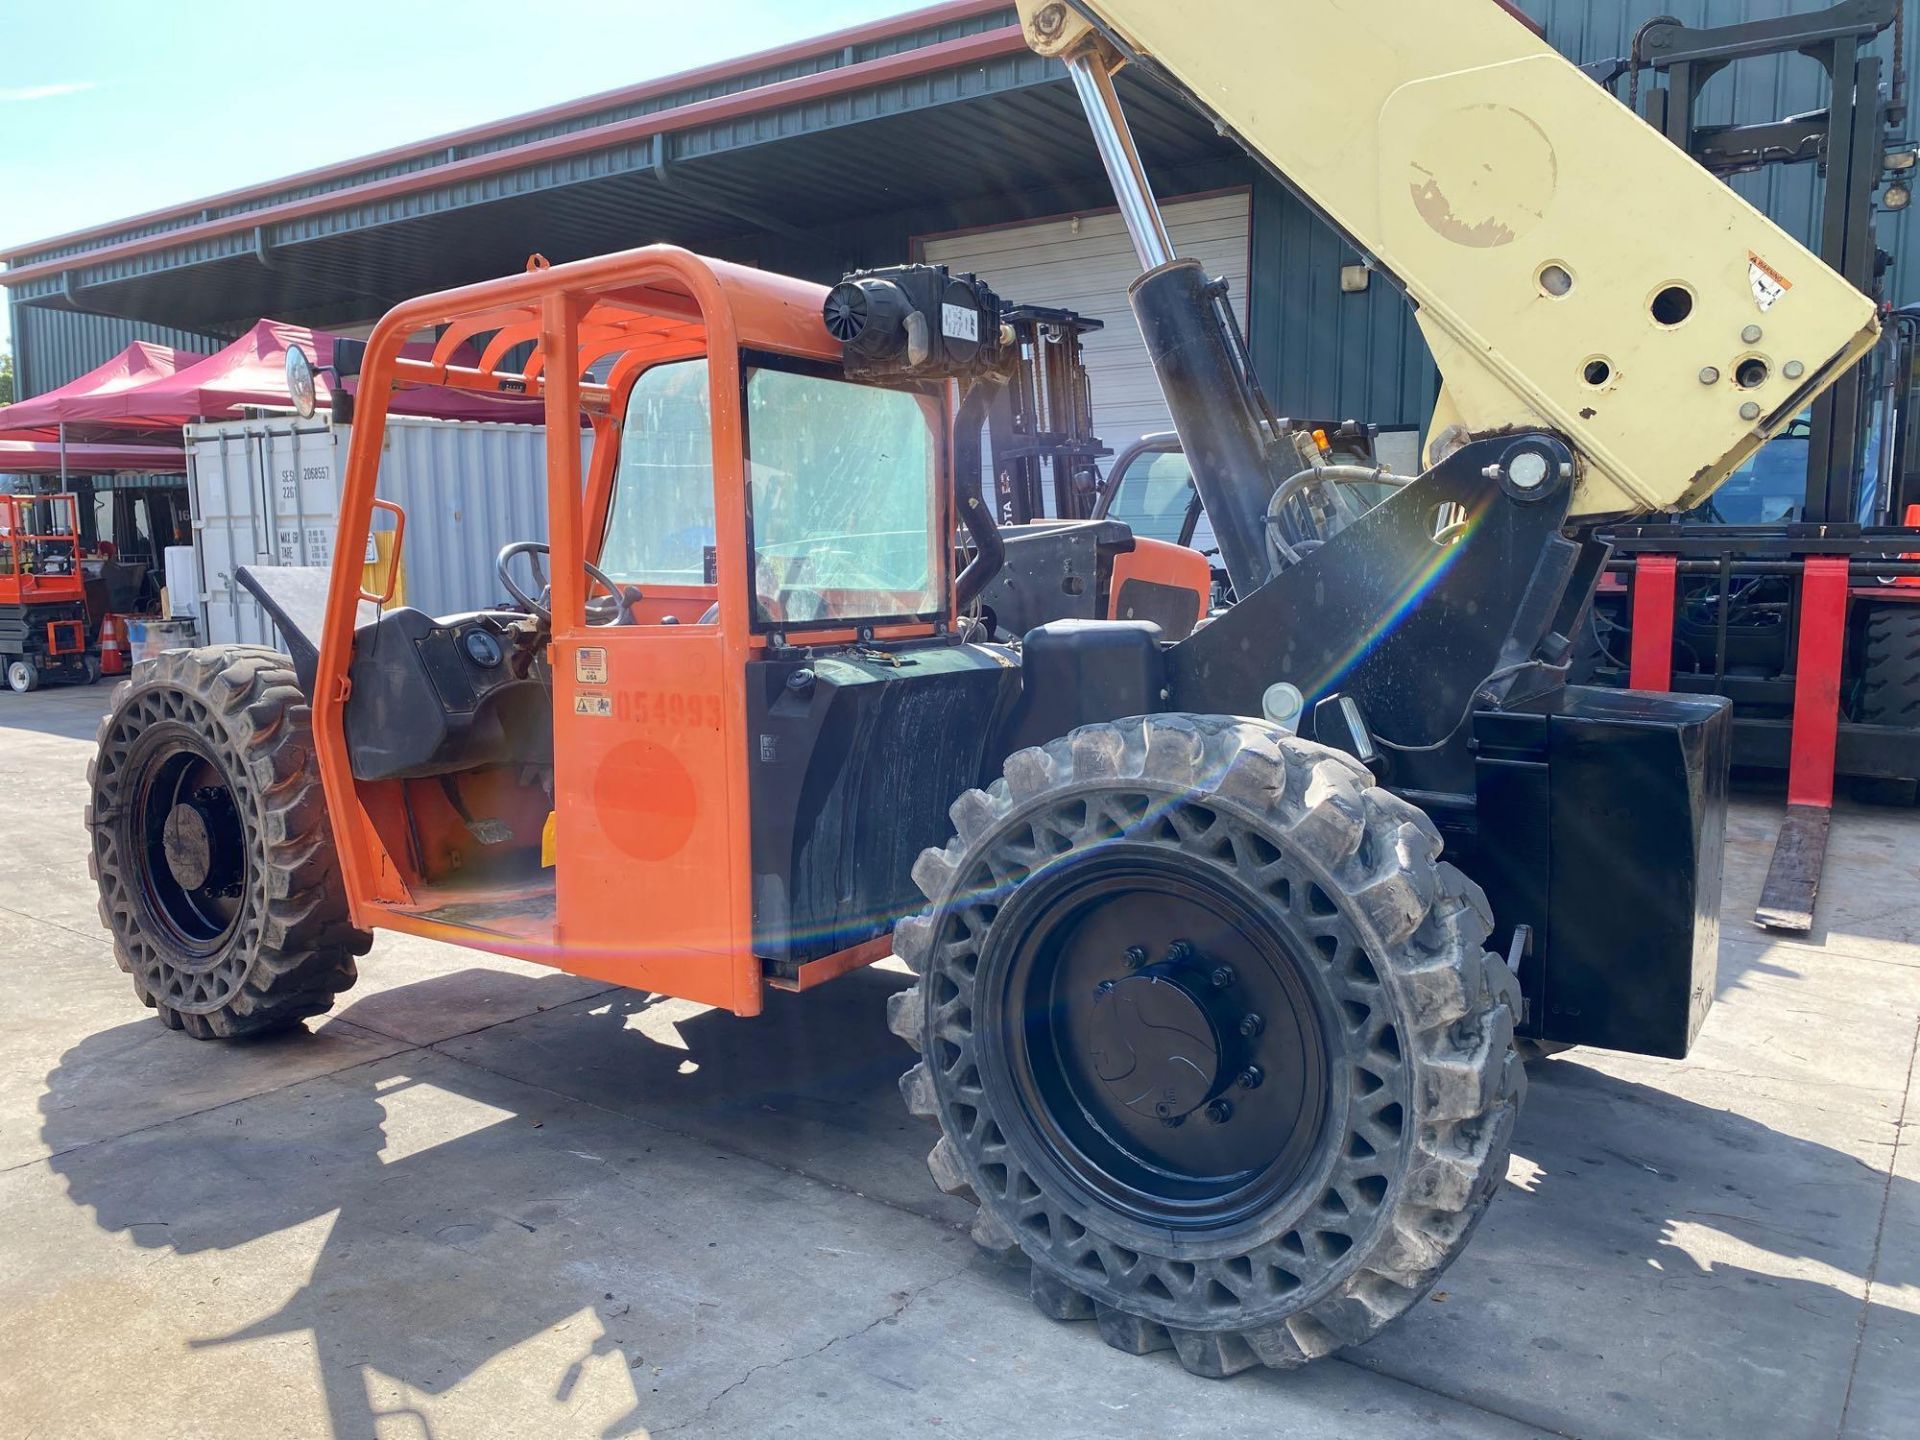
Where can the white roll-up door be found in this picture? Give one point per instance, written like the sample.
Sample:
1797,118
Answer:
1085,264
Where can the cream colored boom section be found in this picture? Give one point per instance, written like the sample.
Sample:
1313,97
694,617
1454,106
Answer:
1548,237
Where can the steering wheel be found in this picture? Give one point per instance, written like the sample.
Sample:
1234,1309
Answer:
610,609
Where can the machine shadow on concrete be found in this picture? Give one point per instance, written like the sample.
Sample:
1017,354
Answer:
486,1189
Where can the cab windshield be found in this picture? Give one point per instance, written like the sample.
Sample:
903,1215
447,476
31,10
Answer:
1153,494
842,493
842,499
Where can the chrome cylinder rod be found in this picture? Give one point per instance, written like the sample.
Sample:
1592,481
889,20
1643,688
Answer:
1093,82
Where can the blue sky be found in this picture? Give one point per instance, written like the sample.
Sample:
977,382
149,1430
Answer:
113,107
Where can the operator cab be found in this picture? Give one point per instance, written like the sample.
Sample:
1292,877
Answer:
653,731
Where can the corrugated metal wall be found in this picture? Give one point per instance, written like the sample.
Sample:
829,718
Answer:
51,347
1085,264
266,492
1323,353
467,489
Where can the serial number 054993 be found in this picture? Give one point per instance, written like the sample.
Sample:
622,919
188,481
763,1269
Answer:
668,709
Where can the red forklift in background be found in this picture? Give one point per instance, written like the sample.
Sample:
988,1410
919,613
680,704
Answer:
1792,591
43,603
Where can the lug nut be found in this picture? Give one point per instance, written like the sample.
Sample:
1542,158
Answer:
1221,977
1251,1077
1252,1025
1105,987
1179,953
1136,956
1220,1111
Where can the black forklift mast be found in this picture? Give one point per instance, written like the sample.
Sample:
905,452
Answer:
1851,140
1040,425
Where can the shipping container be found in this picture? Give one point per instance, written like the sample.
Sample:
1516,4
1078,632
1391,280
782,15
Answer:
267,492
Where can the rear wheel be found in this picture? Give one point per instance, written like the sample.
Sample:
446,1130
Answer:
211,846
1211,1038
22,675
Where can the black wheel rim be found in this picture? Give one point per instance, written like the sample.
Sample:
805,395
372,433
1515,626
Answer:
1165,1050
187,829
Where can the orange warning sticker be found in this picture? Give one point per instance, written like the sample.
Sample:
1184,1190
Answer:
1768,283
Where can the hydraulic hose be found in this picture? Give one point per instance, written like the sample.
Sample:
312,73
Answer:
1279,549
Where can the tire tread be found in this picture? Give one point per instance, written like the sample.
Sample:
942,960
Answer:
1425,920
306,948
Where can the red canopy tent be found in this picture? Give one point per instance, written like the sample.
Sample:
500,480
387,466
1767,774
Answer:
140,364
85,457
218,386
251,373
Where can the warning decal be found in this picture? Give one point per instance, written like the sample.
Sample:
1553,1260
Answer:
959,322
1768,283
600,707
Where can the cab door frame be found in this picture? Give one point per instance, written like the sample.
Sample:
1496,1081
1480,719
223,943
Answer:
649,786
596,933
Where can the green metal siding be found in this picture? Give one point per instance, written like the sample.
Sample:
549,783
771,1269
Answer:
51,347
1320,353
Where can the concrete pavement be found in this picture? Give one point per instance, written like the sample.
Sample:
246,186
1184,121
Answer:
484,1199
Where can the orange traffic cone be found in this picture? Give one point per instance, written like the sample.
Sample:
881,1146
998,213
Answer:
113,645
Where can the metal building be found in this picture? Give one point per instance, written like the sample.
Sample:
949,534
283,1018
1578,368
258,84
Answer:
966,148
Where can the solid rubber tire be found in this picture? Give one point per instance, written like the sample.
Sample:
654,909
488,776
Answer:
293,948
1407,938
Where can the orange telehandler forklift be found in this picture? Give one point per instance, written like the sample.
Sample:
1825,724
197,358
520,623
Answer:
1211,1033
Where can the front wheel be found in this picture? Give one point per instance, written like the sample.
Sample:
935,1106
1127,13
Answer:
211,845
1211,1037
22,676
